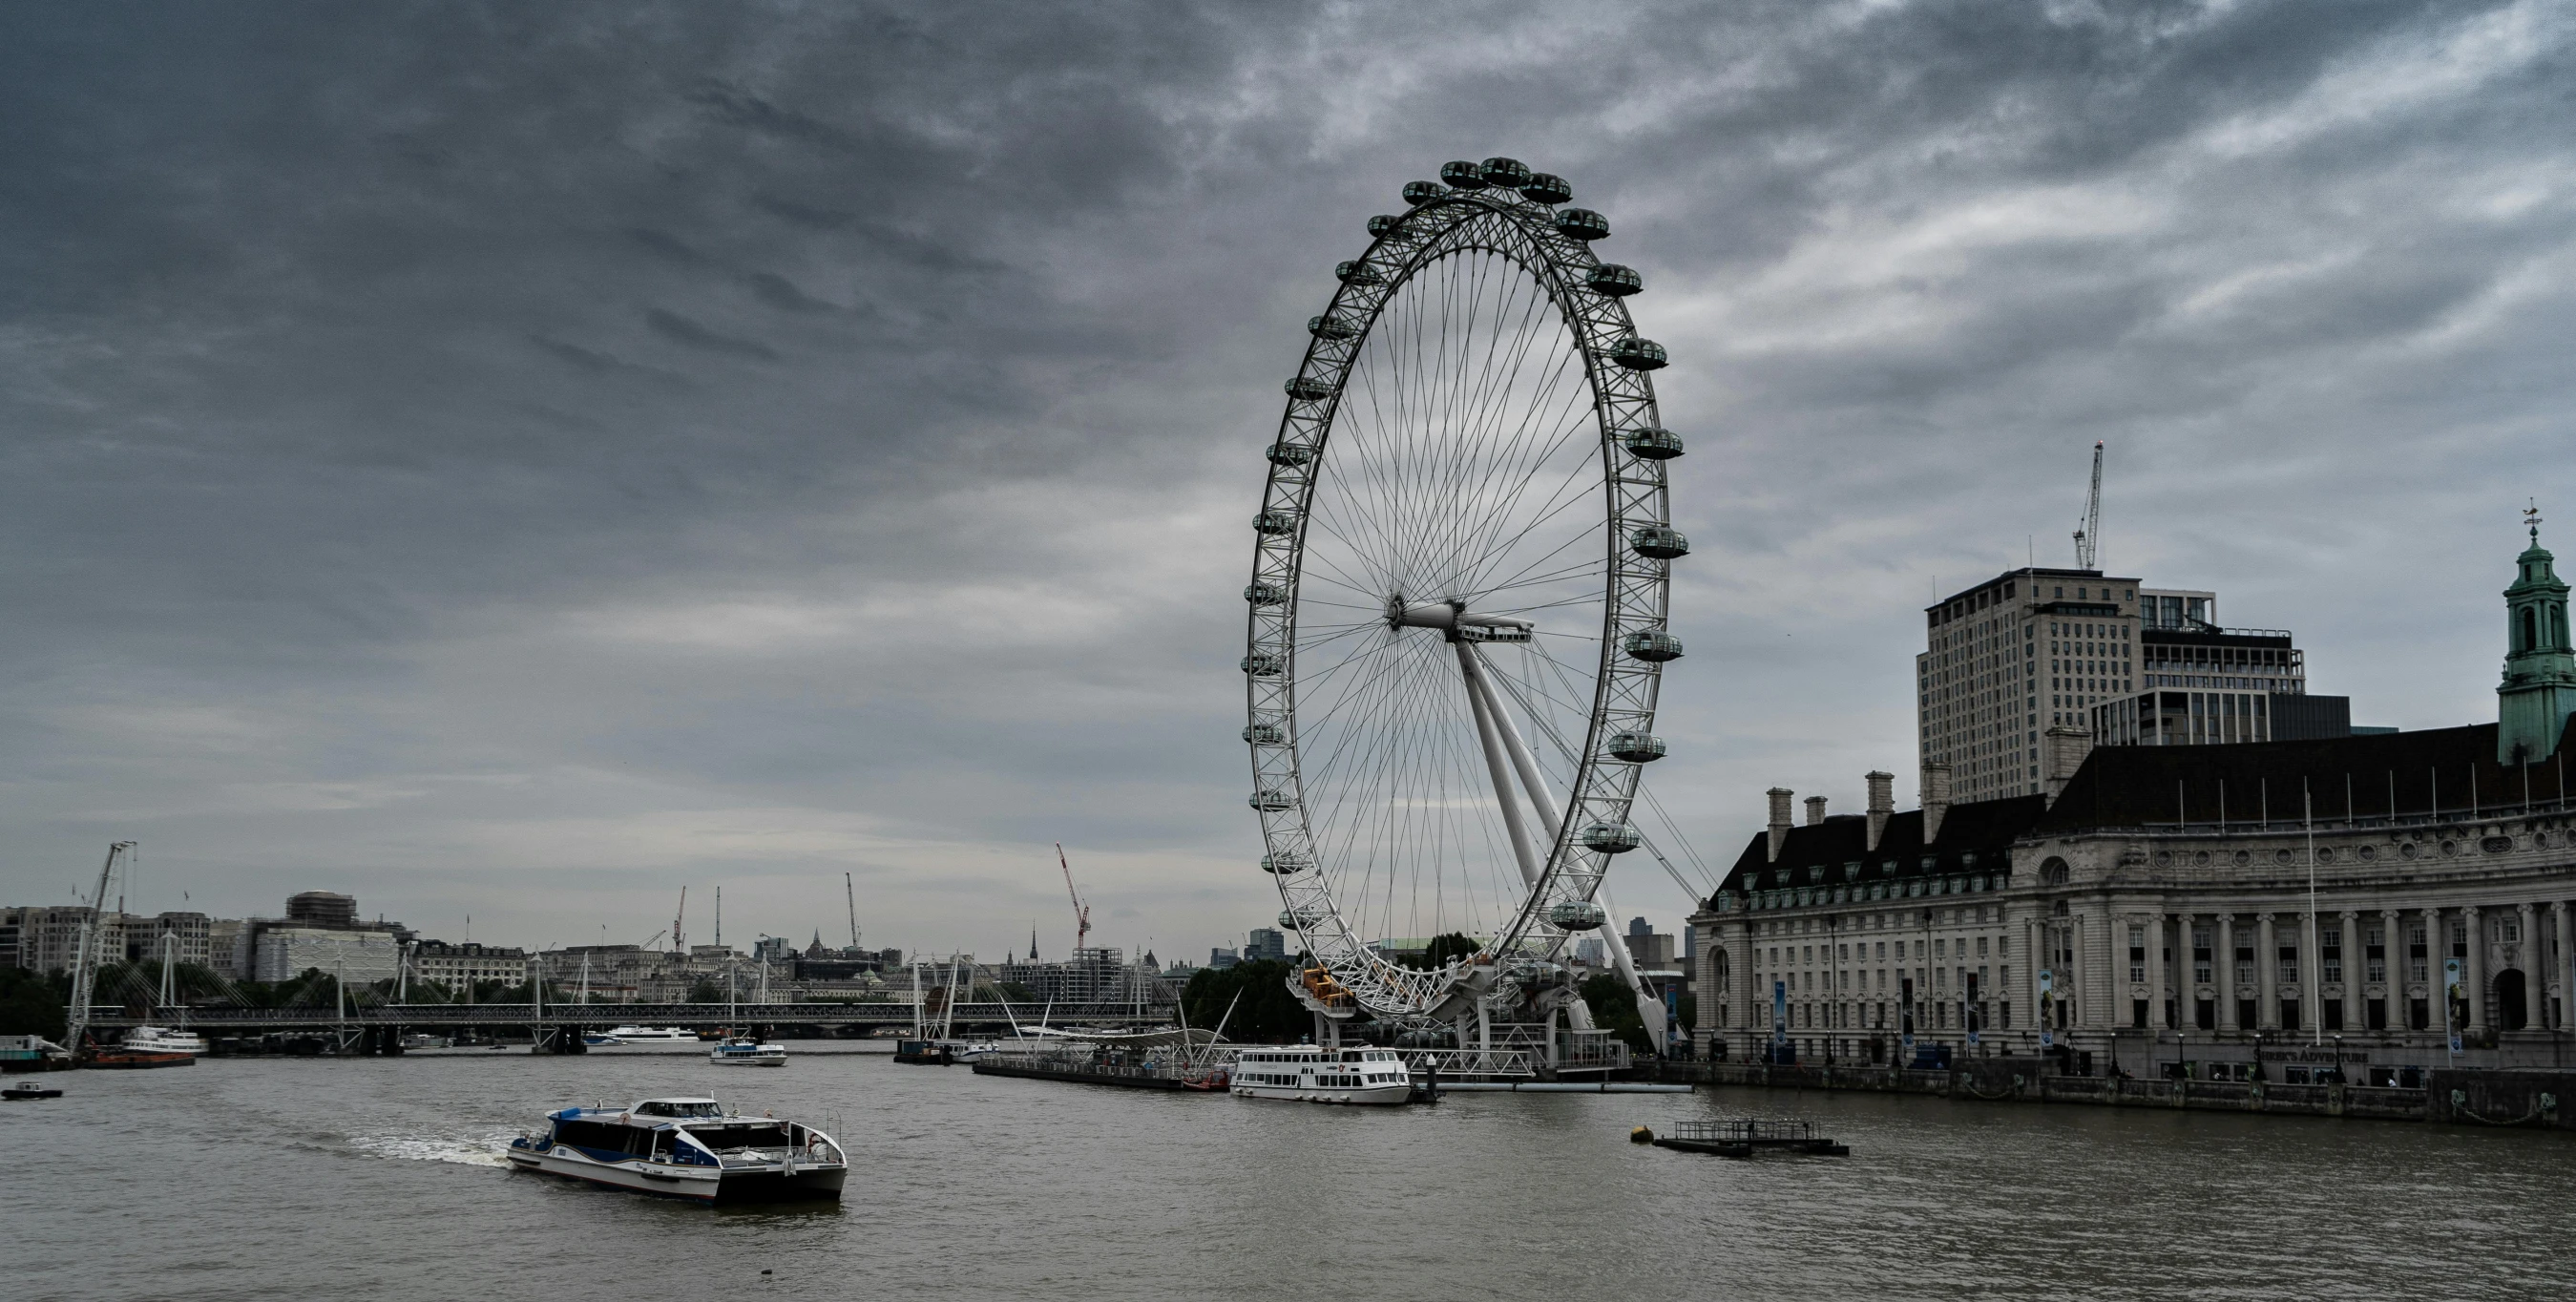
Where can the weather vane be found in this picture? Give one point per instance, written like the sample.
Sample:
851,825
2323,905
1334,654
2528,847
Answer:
2531,519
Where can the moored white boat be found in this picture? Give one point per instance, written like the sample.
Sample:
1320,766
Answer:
648,1035
1308,1073
748,1051
685,1148
161,1039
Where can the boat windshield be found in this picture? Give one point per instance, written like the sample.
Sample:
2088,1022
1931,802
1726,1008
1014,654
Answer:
678,1108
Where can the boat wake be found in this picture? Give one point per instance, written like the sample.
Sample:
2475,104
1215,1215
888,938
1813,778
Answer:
467,1152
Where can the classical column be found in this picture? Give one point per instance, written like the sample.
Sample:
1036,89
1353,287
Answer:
2437,948
2224,959
2564,965
2355,967
2154,925
2392,938
2031,963
2312,970
2473,972
2526,958
2186,988
2267,999
2082,974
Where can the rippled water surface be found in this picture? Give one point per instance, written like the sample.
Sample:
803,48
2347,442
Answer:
380,1179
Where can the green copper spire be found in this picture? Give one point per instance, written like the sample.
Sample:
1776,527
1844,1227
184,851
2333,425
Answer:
2539,689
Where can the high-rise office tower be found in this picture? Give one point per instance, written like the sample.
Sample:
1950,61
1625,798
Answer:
2006,660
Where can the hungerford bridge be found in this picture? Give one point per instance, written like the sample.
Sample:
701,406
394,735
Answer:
381,1027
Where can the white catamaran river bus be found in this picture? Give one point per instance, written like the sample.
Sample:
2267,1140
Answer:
686,1148
1312,1074
642,1035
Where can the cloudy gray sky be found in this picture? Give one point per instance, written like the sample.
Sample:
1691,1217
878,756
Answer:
515,460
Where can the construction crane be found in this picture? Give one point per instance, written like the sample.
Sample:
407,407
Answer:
2088,533
656,940
852,892
678,942
1081,911
93,941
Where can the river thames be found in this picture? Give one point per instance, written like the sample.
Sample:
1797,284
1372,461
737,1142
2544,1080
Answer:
313,1178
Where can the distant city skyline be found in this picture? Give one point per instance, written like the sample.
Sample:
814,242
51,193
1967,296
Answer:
515,471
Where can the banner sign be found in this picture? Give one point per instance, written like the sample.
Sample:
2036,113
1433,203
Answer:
1779,1013
2455,1004
2047,1001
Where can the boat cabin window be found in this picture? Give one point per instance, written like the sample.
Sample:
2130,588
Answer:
677,1108
604,1136
736,1138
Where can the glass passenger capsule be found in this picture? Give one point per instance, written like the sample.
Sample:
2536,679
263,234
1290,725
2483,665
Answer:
1381,224
1462,175
1545,188
1300,917
1270,800
1264,734
1653,444
1638,354
1582,224
1636,748
1659,541
1357,272
1654,646
1274,523
1576,915
1610,838
1505,173
1265,594
1290,454
1263,664
1534,973
1614,280
1284,862
1331,327
1309,389
1419,193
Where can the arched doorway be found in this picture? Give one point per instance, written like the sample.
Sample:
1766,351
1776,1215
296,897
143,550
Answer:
2513,1003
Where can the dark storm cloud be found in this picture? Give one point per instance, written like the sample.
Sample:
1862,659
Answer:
662,443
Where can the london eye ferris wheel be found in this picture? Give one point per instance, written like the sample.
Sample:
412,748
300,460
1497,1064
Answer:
1458,597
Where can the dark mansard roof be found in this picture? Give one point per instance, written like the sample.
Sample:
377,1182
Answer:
1975,838
2438,774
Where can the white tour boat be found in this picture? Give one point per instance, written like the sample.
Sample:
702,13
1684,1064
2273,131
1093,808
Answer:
748,1051
1312,1074
686,1148
161,1039
645,1035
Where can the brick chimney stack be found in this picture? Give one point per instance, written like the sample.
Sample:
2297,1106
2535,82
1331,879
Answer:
1936,800
1815,810
1882,803
1780,797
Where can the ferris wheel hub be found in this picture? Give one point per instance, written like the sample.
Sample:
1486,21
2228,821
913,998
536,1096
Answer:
1454,619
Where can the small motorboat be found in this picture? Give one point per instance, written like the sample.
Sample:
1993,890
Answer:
923,1053
24,1090
685,1148
748,1051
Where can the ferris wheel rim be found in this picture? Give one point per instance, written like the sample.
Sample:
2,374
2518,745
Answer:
1587,298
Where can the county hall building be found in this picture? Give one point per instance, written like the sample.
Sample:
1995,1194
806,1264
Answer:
2158,897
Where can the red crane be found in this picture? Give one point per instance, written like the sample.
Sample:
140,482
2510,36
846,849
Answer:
1081,911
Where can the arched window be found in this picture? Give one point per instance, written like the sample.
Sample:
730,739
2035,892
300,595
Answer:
2530,628
2052,872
